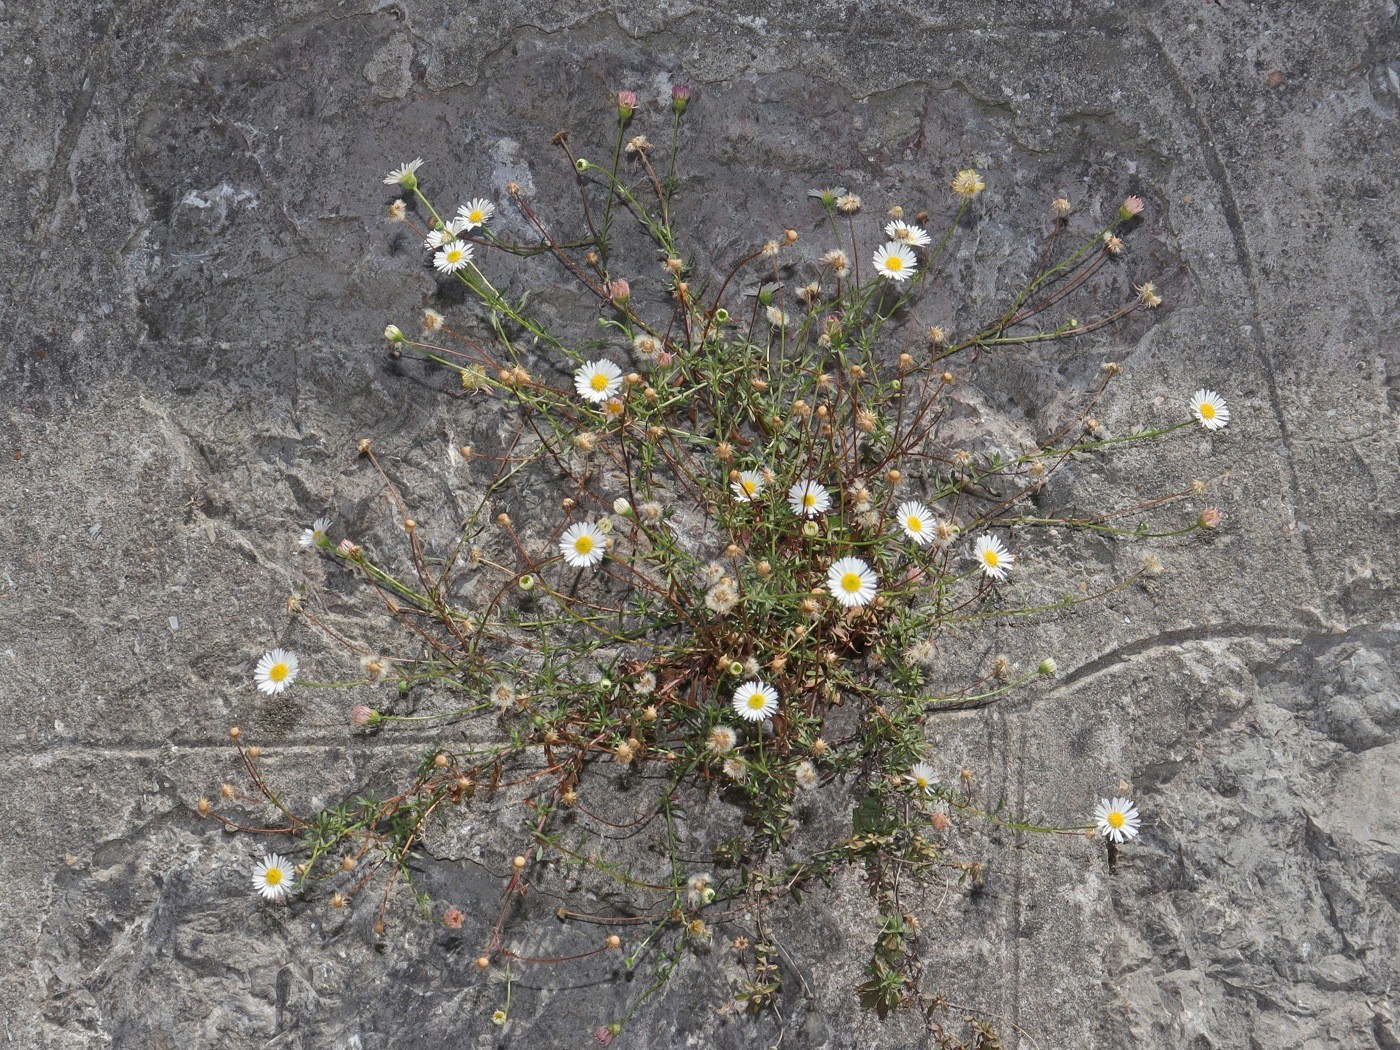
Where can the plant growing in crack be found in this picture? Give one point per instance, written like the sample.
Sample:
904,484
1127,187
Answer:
766,555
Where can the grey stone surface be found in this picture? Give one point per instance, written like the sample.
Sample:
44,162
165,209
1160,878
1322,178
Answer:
196,272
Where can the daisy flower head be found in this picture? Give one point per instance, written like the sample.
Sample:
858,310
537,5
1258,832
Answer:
1117,819
923,777
1210,409
475,213
404,175
749,484
449,232
273,877
755,701
583,545
276,671
313,536
967,183
917,522
808,499
721,740
993,558
895,261
852,582
907,233
598,380
452,256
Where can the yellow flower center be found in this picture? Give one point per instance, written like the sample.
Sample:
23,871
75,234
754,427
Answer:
272,876
476,216
748,486
915,524
1115,819
809,499
599,381
583,544
277,672
1207,410
894,263
454,254
757,701
989,557
921,781
851,583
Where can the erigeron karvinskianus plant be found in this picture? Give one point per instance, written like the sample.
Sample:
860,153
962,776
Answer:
763,533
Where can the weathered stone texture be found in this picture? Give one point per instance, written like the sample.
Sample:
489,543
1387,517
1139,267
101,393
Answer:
196,273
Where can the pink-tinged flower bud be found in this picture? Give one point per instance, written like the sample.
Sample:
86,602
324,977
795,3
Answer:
454,918
1210,518
360,715
626,103
665,358
619,292
1130,207
604,1035
680,97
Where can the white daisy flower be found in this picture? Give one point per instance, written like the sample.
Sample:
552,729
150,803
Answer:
993,557
895,261
1117,819
917,522
437,238
276,671
808,499
273,877
452,257
404,175
749,485
852,582
923,777
907,233
598,380
583,544
755,701
1210,409
313,536
476,213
